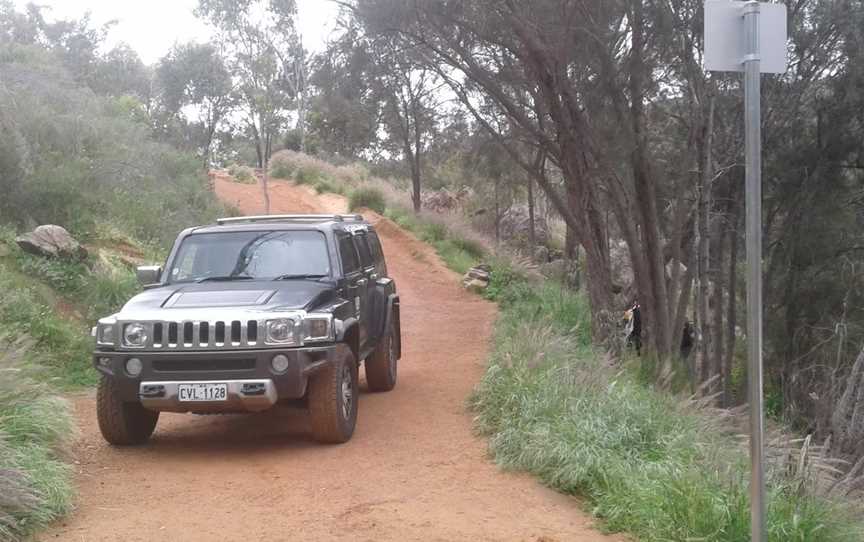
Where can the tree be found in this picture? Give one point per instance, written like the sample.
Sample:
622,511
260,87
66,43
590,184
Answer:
195,75
262,48
343,112
404,92
120,72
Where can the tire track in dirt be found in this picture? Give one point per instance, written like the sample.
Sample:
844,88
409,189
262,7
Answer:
413,471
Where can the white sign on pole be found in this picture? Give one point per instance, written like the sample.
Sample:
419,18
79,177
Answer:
724,37
750,37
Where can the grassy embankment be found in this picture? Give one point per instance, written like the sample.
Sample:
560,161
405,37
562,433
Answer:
658,466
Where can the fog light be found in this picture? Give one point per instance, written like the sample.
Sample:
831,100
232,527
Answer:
279,363
134,366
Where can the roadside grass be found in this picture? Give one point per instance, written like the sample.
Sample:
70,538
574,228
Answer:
657,466
35,427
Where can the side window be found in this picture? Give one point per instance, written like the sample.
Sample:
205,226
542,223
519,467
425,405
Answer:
375,245
350,261
363,247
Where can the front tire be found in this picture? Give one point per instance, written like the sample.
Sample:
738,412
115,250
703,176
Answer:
333,395
122,423
382,365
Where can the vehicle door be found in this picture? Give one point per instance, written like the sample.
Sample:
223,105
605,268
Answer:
356,283
372,306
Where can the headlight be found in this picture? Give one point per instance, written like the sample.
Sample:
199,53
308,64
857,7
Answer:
280,331
105,334
135,335
318,327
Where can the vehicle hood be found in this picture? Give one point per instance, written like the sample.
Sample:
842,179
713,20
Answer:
242,296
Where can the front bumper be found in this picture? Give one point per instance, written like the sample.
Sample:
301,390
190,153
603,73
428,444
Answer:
235,368
243,396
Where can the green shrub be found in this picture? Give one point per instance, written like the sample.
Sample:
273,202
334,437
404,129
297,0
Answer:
368,197
242,174
281,169
35,426
307,174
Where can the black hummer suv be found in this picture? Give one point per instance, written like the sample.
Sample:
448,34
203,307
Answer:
248,313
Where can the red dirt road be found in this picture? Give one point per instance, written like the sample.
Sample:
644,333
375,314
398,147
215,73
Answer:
413,471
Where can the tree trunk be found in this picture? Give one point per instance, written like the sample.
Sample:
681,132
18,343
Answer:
415,185
264,185
731,311
532,235
497,211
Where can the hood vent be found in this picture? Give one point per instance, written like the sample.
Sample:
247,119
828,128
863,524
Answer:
229,298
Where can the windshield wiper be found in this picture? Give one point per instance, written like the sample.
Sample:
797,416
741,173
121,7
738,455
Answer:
224,278
299,276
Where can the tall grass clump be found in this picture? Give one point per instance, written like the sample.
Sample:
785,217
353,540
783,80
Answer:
63,344
648,463
368,197
35,426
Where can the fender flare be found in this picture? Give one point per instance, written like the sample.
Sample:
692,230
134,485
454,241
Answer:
393,317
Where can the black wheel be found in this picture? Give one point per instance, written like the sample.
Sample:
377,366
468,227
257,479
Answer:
382,365
122,423
333,394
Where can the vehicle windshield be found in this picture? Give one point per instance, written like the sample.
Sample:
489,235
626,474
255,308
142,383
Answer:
263,255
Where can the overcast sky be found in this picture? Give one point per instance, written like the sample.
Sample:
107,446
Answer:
151,27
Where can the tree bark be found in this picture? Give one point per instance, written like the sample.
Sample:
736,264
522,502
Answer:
532,235
731,310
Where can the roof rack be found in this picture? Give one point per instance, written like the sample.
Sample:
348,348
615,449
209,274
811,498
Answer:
277,218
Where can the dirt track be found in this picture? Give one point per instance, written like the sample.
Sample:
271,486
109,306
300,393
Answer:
413,470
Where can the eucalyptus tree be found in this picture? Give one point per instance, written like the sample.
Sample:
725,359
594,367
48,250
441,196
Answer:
262,48
194,75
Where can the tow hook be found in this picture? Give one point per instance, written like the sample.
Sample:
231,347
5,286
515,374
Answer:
253,388
152,390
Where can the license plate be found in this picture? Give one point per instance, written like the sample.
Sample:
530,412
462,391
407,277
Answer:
202,392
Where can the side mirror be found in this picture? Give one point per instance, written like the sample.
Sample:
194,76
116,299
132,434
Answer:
148,274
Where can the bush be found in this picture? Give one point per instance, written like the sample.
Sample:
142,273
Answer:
242,174
35,426
368,197
281,169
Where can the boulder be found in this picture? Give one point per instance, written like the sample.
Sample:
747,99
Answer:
515,225
476,279
52,242
475,285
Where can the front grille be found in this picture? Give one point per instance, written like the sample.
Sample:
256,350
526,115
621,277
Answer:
196,335
187,365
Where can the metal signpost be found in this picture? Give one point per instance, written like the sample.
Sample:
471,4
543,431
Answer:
750,37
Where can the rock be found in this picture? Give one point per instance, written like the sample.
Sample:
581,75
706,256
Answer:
515,226
622,269
475,285
51,241
476,279
475,273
